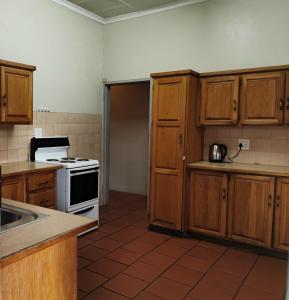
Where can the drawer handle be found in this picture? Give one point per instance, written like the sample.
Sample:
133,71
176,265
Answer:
45,203
43,183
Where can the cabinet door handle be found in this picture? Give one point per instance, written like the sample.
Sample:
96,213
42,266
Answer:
224,194
287,107
270,200
180,139
281,104
278,201
235,105
4,100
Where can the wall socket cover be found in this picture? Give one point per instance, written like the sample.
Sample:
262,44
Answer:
245,143
38,132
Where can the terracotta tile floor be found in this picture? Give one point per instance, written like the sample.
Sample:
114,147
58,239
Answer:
123,260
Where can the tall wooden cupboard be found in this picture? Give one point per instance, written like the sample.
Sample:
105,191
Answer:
175,141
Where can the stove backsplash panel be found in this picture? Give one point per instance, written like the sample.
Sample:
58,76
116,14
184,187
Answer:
84,132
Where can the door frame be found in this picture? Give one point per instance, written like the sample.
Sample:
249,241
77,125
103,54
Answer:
106,136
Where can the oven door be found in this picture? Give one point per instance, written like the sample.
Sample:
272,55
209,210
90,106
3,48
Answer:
82,187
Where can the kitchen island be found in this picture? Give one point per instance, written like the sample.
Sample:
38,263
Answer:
39,260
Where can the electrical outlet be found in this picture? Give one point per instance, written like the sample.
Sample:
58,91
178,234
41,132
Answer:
43,109
245,143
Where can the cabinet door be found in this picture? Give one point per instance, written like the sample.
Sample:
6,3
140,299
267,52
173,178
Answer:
281,237
286,105
167,150
251,209
219,100
13,188
262,97
16,95
208,203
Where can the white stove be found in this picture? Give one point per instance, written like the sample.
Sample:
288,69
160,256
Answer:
77,181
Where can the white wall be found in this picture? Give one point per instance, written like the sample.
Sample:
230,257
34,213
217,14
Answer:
67,49
129,138
214,35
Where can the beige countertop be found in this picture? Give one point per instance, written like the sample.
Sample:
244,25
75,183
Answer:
20,241
22,167
256,169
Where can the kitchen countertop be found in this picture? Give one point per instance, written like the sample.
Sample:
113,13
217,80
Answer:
20,241
255,169
22,167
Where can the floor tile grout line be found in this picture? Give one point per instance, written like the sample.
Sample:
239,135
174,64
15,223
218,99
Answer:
160,275
205,273
245,278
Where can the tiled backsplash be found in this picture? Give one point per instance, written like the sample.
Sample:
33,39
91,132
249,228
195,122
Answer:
83,130
268,144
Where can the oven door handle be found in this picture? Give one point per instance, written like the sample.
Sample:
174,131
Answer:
85,172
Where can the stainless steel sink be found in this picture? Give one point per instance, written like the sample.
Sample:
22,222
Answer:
12,217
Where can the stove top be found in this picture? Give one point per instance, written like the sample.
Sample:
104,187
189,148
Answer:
54,150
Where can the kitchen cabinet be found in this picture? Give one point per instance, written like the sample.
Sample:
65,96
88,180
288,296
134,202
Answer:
41,189
262,98
251,201
16,93
219,100
14,188
174,131
208,202
38,188
281,229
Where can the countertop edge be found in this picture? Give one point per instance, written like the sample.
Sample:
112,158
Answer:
21,171
219,167
5,261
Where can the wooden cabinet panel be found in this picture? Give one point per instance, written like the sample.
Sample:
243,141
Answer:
208,203
167,151
286,104
262,98
219,100
251,209
281,236
13,188
41,180
16,94
43,198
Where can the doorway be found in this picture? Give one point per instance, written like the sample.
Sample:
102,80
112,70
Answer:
126,139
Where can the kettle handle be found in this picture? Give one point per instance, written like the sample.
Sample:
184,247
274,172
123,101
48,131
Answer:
223,151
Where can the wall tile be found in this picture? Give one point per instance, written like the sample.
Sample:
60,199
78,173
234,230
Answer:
268,144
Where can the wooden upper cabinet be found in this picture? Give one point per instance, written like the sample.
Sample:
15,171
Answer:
262,98
286,104
219,100
251,202
167,165
281,230
16,96
208,203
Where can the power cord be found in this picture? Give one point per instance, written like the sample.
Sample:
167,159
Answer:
240,149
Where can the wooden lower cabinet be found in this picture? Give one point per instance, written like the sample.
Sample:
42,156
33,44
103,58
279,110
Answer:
38,188
251,201
208,203
281,224
14,188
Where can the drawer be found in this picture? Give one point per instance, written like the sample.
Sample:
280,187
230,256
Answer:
45,198
41,181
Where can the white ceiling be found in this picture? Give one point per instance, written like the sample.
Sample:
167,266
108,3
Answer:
113,8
